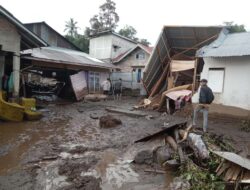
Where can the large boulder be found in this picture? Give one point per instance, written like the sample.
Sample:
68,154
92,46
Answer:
109,121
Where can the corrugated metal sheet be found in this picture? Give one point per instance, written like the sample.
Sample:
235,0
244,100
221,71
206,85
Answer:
228,45
171,43
64,56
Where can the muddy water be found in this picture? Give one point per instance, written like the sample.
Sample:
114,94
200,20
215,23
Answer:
16,138
62,128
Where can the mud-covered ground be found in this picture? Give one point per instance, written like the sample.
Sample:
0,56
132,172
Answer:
67,149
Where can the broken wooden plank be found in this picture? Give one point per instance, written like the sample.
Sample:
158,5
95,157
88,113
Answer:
224,167
126,112
236,173
170,140
234,158
162,130
179,149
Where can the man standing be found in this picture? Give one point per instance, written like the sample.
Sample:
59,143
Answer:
106,86
206,97
118,90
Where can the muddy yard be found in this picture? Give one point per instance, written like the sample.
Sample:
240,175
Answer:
67,149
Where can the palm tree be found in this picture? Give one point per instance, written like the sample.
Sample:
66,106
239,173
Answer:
71,27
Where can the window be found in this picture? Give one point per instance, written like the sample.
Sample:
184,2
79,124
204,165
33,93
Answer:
140,56
216,79
139,76
94,82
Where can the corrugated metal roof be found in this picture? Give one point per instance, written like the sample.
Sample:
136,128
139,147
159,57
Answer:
176,42
227,45
64,56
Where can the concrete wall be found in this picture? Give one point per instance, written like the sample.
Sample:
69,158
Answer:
236,87
131,62
10,41
9,37
124,45
102,47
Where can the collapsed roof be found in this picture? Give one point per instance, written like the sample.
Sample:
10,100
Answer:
178,43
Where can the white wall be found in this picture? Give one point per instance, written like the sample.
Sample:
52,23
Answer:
236,87
124,45
9,37
130,62
101,47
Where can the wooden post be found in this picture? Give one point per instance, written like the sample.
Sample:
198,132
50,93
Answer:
195,74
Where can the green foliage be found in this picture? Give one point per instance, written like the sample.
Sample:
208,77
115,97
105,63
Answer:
144,42
245,125
71,28
107,18
80,41
234,28
128,31
202,179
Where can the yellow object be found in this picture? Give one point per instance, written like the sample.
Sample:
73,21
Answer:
10,111
30,112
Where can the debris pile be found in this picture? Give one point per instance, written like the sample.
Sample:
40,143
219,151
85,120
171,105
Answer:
173,70
199,159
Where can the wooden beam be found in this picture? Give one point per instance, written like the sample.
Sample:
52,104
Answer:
158,84
196,45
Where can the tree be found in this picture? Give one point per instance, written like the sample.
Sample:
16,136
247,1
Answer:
81,41
128,31
107,18
145,42
71,27
234,28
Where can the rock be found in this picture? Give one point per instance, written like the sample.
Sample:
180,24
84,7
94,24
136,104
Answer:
162,154
179,184
109,121
94,116
144,157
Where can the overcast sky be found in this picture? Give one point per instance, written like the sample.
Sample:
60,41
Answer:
146,16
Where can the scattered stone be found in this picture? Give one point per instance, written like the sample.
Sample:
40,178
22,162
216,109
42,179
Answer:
144,157
85,183
78,150
149,117
94,116
109,121
162,154
179,184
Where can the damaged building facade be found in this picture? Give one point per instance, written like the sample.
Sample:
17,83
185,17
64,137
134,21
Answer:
14,37
174,66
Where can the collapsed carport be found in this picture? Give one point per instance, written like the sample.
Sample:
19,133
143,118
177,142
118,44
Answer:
77,72
176,47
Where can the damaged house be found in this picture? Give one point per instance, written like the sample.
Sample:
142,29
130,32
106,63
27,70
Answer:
77,73
129,57
173,65
14,37
227,66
